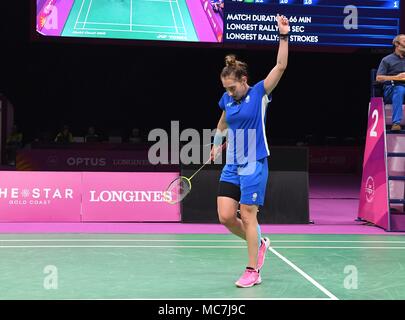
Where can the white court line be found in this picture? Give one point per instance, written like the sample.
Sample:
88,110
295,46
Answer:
130,16
192,247
207,299
80,12
126,24
174,18
125,246
338,241
131,25
181,17
87,15
118,30
194,240
336,247
305,275
159,0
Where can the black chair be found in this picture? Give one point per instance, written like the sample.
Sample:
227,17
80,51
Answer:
376,87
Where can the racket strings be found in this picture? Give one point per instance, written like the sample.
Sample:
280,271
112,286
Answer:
178,189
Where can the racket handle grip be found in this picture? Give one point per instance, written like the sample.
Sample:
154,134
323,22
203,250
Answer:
218,148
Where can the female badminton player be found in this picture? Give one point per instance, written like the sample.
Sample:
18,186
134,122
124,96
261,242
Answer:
243,179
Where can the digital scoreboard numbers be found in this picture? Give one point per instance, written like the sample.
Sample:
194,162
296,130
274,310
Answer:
353,23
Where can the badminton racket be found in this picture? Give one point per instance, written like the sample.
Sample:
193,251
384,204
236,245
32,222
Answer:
180,187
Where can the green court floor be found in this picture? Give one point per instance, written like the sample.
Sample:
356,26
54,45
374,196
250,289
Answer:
131,19
199,266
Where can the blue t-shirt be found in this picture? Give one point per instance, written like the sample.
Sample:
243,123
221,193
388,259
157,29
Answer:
246,128
391,65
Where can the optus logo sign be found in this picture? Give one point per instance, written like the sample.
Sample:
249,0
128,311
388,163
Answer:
86,162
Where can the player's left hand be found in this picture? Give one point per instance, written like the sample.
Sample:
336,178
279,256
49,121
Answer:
283,25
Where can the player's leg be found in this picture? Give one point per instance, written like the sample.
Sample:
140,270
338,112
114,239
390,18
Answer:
251,275
227,209
264,242
227,204
228,200
253,177
249,220
253,189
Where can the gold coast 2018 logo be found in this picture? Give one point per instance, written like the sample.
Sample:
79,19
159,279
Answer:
370,189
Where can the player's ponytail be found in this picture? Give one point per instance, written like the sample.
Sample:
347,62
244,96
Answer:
234,68
230,60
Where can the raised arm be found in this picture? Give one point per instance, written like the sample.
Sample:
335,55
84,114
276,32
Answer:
276,73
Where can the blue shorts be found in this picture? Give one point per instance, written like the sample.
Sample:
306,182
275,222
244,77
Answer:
251,178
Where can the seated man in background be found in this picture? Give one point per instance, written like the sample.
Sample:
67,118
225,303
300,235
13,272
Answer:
91,135
392,72
135,136
64,136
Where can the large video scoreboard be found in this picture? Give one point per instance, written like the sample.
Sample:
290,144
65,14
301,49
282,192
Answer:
352,23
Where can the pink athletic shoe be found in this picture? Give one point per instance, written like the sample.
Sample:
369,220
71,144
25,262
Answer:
249,278
262,252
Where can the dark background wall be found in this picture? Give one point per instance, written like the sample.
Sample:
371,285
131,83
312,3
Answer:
117,85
